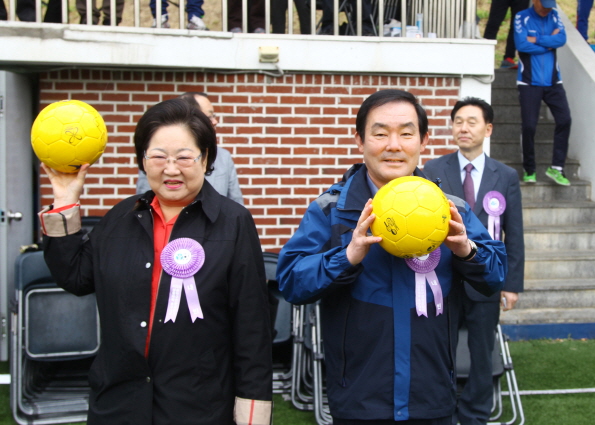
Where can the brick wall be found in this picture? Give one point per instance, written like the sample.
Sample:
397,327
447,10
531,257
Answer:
290,137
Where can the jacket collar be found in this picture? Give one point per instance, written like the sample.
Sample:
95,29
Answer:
208,200
356,191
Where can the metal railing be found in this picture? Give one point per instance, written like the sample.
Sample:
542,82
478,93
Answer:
416,18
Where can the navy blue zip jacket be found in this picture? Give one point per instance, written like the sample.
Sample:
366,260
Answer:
538,63
382,360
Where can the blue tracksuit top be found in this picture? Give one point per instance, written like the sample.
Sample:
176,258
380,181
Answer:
538,63
383,361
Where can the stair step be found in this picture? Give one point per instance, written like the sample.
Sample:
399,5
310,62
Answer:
571,169
505,95
504,78
558,214
559,264
511,112
511,149
547,315
545,190
558,284
512,130
559,237
570,298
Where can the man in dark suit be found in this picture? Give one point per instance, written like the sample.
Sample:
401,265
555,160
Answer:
484,184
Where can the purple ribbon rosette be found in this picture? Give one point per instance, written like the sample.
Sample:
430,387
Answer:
494,204
424,270
181,259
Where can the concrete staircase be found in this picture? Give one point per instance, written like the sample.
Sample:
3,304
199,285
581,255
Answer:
559,222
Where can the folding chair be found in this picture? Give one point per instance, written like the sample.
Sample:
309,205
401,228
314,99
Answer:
282,328
54,338
501,366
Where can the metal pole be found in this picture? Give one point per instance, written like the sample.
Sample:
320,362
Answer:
336,17
381,19
313,17
224,15
267,16
403,18
112,13
358,8
38,11
137,13
182,9
244,16
289,16
64,11
157,13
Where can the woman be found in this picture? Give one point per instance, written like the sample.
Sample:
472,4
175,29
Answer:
200,354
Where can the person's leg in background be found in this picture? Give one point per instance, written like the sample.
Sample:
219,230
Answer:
583,9
81,8
105,9
530,100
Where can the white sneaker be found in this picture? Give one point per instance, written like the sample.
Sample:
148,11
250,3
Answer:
164,23
196,23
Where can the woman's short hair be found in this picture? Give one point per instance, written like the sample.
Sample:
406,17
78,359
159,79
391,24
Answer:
176,112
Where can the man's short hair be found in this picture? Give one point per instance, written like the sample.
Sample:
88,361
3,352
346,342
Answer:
190,95
382,97
486,108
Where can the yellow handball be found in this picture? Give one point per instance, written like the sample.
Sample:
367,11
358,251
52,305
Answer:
412,216
68,134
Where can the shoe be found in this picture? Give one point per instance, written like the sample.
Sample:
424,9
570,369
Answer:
196,23
557,176
529,178
508,63
164,22
236,30
259,31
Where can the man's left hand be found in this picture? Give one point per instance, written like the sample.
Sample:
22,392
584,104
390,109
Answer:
457,240
511,299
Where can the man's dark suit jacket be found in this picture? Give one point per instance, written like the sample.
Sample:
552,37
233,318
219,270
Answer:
500,177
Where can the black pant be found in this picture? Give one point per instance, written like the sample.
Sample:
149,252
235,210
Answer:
438,421
497,14
255,14
475,402
26,11
327,15
555,98
278,9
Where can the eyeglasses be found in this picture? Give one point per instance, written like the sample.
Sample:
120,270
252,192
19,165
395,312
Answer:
160,161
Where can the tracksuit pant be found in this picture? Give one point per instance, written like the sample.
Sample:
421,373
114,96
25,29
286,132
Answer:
554,97
498,11
583,9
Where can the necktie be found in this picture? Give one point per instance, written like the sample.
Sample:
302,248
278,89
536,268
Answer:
468,188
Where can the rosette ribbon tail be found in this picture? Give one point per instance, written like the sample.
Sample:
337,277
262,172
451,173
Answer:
175,295
494,227
436,290
192,299
420,295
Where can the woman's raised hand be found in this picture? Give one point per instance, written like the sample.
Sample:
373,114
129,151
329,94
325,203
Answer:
67,187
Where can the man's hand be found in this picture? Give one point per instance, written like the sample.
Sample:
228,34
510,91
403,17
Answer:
532,39
457,240
360,241
511,299
556,31
67,187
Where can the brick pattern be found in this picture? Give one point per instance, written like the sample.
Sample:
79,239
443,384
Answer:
291,137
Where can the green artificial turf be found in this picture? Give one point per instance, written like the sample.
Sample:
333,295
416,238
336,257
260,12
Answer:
538,364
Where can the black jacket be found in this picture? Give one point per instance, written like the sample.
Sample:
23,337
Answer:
194,370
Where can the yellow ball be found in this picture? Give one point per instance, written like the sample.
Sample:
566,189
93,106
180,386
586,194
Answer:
68,134
412,216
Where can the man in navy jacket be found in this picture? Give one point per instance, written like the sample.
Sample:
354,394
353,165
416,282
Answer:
385,363
538,33
471,123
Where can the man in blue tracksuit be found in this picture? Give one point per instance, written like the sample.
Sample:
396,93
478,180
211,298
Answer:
385,363
538,33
